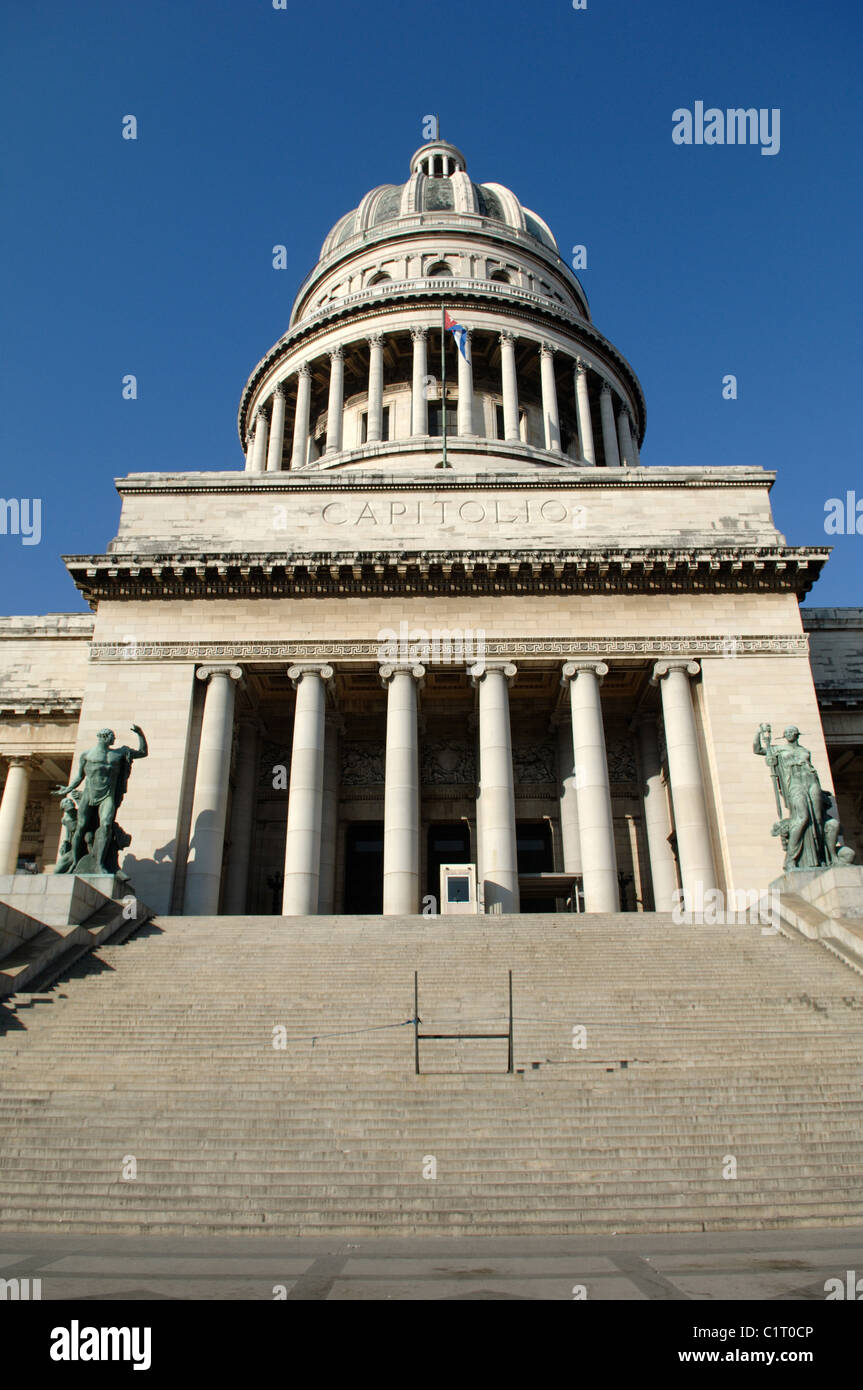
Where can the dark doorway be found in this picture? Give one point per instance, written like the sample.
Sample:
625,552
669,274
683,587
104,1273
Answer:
364,867
535,855
533,845
448,843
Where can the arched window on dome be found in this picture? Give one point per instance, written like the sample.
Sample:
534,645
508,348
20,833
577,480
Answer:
379,278
501,276
440,268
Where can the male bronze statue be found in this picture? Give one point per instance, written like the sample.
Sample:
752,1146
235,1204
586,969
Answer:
96,839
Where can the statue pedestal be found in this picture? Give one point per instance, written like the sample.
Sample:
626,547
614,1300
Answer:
837,891
47,920
826,905
58,899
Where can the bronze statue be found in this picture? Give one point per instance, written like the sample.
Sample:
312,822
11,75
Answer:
810,831
96,840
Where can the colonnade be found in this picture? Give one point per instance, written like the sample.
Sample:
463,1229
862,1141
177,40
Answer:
586,825
587,829
266,440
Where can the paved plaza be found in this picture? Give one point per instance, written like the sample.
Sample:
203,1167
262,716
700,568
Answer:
771,1265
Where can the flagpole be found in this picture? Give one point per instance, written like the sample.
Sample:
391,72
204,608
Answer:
444,464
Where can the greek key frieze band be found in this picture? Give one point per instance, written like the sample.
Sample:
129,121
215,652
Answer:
358,649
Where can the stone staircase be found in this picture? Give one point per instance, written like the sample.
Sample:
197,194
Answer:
706,1047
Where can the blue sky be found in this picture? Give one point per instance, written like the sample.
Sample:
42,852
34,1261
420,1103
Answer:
260,126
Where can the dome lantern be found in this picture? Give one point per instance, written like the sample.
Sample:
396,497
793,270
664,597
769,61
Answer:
438,159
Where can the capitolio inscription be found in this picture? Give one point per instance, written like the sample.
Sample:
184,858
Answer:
445,511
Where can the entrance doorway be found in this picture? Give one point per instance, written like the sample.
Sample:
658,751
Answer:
447,843
535,855
364,868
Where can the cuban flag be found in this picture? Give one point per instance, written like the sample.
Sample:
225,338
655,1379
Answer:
458,331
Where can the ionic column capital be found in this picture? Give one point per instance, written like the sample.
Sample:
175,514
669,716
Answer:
18,760
304,370
662,668
572,668
336,354
547,349
393,668
419,335
507,336
480,669
235,673
309,668
279,389
375,339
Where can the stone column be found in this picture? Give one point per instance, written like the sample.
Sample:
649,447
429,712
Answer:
419,402
509,385
624,438
609,437
633,434
473,725
250,451
694,848
596,826
277,431
586,445
550,416
570,835
663,870
210,803
235,899
465,388
305,797
335,403
259,452
12,809
401,792
376,388
499,854
300,442
330,815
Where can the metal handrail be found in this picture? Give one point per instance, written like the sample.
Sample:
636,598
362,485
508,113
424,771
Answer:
432,1037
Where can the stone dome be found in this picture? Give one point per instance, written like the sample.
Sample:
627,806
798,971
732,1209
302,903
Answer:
353,379
438,183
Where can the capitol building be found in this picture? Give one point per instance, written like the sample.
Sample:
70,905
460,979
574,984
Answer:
445,701
442,612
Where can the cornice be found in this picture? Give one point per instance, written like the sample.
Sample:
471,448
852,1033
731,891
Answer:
517,571
831,697
572,477
42,705
501,648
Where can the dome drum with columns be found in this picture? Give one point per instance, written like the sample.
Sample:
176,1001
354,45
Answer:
350,378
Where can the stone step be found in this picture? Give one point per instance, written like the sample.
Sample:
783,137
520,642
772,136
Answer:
161,1046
